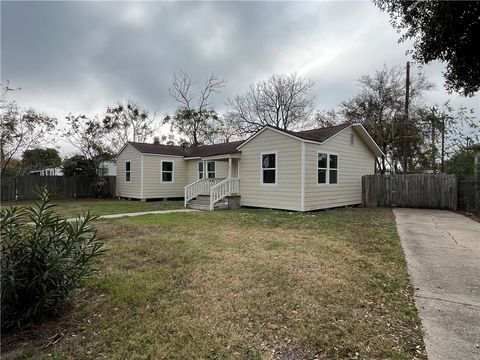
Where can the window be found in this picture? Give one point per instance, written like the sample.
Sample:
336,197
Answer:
127,171
209,172
200,170
352,139
269,168
327,169
333,173
322,168
211,169
167,171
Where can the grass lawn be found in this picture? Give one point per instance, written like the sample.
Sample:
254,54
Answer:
244,284
104,206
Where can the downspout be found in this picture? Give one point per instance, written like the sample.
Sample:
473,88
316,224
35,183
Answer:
141,177
302,194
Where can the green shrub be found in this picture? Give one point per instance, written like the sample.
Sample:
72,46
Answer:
44,257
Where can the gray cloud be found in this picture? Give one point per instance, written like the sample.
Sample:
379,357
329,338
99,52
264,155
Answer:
82,56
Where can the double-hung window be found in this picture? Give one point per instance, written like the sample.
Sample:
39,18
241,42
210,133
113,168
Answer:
167,171
209,172
127,171
211,169
327,168
322,168
269,169
201,172
333,169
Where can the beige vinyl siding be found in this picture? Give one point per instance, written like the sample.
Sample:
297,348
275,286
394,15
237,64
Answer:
133,188
153,187
192,171
221,170
353,162
235,163
286,194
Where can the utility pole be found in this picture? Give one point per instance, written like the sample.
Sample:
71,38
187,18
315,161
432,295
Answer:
405,121
443,139
433,121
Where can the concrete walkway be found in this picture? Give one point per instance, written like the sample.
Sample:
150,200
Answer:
443,255
115,216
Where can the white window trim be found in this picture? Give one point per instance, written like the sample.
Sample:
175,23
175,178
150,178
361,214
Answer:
327,176
276,168
206,172
129,172
173,171
198,170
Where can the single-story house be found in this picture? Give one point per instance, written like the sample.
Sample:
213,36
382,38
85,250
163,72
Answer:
48,171
274,168
107,168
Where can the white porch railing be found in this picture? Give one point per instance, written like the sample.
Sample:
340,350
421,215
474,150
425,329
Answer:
226,187
200,187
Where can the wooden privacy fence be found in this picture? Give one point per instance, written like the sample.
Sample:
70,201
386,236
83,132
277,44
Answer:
430,191
25,187
469,195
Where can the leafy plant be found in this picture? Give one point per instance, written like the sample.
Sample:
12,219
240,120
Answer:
97,186
44,257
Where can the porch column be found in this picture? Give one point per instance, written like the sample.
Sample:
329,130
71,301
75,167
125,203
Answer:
229,167
206,183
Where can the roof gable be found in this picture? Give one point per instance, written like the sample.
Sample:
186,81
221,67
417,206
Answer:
321,135
316,135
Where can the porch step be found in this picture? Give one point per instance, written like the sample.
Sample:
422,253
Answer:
202,202
201,199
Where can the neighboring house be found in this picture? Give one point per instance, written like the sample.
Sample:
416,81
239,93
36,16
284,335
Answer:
108,168
48,171
274,168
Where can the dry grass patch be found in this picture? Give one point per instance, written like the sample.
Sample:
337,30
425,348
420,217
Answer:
249,284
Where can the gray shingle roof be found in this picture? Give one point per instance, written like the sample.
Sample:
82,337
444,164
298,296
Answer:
205,150
158,149
212,150
319,135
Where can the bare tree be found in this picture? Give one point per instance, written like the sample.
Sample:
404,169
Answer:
128,122
226,130
183,91
195,118
88,135
20,129
284,101
327,118
379,107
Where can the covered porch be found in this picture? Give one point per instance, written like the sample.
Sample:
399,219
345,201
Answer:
209,191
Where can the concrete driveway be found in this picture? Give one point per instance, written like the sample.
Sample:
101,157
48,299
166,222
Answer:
443,255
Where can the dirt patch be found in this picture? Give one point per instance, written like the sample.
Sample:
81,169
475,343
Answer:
62,327
470,215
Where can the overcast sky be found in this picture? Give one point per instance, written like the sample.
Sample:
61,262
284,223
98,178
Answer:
80,57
